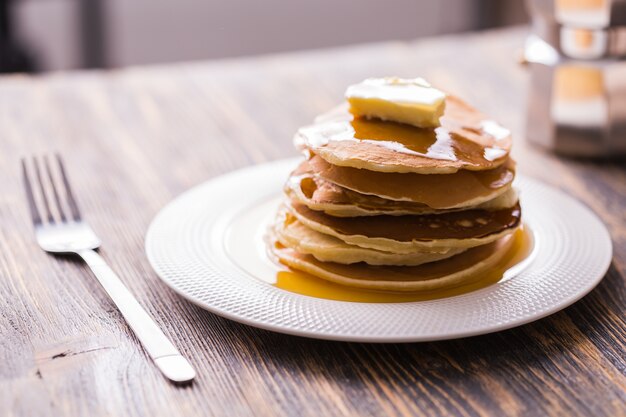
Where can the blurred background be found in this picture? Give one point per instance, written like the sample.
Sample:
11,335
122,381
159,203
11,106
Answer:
54,35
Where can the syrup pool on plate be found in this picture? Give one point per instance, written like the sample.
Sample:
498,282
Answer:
246,245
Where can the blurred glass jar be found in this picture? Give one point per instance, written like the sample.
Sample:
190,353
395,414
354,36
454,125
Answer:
577,97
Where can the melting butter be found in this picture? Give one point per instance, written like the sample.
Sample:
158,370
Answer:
438,143
410,101
495,130
499,133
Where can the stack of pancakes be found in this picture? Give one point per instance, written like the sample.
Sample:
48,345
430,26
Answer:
390,206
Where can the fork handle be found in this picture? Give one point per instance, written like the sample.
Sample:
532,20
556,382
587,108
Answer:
165,355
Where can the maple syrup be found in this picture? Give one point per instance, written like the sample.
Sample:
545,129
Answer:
437,191
465,139
245,243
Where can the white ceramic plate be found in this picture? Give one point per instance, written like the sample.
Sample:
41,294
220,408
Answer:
187,245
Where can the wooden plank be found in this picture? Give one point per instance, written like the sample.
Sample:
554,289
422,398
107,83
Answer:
133,139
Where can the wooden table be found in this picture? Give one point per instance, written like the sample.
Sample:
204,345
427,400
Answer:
133,139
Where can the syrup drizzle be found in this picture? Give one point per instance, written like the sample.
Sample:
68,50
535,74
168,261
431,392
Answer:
439,143
251,256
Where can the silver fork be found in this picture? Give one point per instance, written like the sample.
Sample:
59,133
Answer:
60,229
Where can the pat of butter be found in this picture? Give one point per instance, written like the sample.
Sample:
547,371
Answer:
410,101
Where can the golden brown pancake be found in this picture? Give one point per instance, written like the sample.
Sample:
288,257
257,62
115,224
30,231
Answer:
322,195
293,234
403,234
458,270
466,139
388,206
461,189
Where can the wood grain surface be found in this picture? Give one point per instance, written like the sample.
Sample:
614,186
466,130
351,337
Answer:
133,139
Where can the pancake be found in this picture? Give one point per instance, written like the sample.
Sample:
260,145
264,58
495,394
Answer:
405,234
461,189
318,194
466,140
458,270
293,234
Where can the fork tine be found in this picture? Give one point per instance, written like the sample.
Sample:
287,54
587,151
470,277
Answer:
68,190
34,212
42,188
55,193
